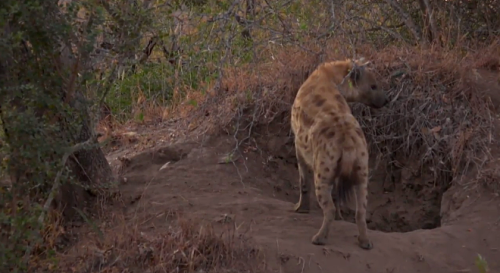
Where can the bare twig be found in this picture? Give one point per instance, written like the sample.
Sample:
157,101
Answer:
391,32
55,186
78,147
406,18
429,13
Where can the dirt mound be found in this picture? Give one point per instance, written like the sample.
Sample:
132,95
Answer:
434,136
399,202
435,131
255,195
153,160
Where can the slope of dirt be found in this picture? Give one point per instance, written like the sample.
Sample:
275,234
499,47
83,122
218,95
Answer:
401,199
256,194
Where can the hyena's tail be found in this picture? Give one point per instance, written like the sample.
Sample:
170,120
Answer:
345,181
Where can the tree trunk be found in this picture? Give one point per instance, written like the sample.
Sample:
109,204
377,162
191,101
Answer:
38,89
90,167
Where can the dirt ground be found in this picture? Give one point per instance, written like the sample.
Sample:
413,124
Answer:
412,229
416,225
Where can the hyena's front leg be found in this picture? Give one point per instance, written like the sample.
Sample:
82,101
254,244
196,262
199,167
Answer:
303,205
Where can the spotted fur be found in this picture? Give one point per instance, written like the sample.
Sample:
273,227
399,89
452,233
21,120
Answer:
329,142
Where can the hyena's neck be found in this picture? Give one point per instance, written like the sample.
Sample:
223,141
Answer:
338,72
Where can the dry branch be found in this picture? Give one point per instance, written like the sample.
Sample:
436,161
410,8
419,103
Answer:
78,147
406,18
391,32
429,13
55,186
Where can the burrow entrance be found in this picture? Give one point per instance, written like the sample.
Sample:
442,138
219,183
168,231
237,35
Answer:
400,200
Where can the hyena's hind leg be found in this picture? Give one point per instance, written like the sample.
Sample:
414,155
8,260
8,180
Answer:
323,192
361,191
336,201
303,206
324,177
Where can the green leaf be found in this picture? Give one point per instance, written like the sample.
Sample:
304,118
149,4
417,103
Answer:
481,264
193,102
140,116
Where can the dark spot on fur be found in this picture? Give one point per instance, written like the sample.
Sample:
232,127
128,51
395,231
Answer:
319,176
306,120
325,203
363,154
358,168
336,119
306,138
342,106
342,139
327,170
324,131
359,132
318,100
331,134
322,163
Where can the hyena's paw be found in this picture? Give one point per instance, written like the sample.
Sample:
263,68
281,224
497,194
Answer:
365,244
318,239
301,207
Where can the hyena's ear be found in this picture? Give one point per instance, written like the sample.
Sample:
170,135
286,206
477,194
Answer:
362,62
356,72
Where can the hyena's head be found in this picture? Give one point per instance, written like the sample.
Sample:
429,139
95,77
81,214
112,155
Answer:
366,85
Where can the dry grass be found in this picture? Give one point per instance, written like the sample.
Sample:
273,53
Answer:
186,246
439,117
439,123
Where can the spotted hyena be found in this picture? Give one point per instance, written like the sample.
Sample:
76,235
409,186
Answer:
329,143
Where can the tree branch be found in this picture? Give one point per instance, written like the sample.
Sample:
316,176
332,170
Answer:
428,13
78,147
386,29
406,18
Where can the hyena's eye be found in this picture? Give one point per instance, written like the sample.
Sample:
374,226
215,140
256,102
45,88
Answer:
374,87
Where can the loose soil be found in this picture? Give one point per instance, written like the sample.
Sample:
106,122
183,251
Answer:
416,225
412,229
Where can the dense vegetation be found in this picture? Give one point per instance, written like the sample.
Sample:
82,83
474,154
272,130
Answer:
63,65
